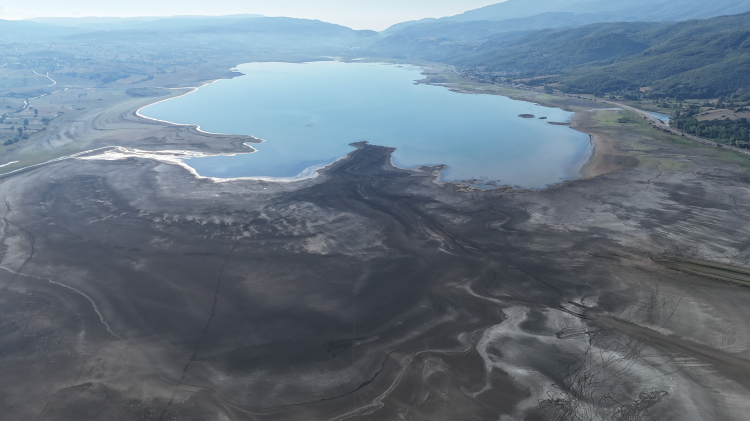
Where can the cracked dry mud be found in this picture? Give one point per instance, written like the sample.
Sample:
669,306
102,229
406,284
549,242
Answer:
131,290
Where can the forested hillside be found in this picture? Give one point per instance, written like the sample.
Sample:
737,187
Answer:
691,59
732,132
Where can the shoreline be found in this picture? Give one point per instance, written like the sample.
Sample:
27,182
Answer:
197,127
598,164
312,172
603,150
599,161
604,155
178,157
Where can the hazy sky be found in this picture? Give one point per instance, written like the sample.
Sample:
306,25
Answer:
358,14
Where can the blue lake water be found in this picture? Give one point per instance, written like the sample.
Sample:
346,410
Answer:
663,117
308,114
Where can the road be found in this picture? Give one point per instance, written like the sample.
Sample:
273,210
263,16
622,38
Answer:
662,125
54,82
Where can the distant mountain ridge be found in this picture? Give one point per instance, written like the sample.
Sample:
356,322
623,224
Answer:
403,25
519,15
485,29
93,23
15,30
233,29
139,50
690,59
630,10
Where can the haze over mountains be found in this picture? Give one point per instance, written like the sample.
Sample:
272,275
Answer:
473,25
592,46
514,15
113,23
630,45
631,10
53,26
223,33
701,58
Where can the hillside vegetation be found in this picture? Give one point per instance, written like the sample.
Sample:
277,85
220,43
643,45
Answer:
692,59
731,132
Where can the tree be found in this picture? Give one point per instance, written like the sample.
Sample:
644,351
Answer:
36,112
25,121
20,131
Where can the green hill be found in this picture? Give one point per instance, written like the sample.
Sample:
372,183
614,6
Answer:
692,59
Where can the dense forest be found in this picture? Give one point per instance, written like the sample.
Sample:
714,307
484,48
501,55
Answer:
731,132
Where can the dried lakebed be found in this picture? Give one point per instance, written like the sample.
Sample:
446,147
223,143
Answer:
309,113
132,290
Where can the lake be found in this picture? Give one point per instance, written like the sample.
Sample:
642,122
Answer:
309,113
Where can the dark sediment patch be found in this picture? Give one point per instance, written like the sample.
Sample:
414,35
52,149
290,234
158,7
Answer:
370,292
706,269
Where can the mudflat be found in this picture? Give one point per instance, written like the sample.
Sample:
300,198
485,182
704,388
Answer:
132,289
605,158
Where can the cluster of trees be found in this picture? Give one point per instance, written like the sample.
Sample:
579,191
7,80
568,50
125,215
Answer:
731,132
22,133
145,79
737,100
11,141
109,77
